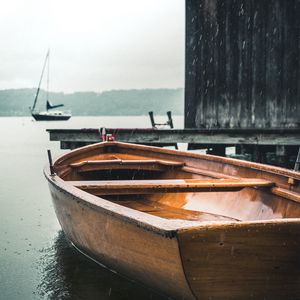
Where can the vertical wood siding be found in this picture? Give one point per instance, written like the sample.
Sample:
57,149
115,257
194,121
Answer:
242,63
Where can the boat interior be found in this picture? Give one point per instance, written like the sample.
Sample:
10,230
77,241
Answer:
173,188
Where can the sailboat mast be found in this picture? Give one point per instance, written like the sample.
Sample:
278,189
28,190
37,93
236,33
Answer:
38,90
48,76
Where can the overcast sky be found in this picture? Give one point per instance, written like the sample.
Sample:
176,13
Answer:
94,44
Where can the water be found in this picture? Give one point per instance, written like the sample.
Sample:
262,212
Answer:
36,260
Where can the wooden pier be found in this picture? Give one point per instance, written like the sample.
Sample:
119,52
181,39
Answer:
256,144
72,138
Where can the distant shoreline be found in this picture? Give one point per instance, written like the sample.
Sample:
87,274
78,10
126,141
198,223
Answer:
16,102
94,116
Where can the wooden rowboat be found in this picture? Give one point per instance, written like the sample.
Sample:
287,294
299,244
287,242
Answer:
192,226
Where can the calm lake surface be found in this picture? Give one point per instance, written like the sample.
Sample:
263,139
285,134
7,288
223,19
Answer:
36,260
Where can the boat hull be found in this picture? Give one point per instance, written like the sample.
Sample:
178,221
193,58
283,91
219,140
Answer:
254,256
39,117
145,256
243,261
248,261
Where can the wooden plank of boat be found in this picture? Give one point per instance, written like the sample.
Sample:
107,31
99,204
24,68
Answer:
266,252
199,227
121,187
288,194
93,165
165,211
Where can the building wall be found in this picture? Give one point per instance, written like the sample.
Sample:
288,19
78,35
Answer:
242,63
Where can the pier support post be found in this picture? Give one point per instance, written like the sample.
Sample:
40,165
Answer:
219,150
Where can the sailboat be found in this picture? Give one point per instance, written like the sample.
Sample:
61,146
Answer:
50,114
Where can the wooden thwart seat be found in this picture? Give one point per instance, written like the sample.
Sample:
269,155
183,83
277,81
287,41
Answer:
127,187
118,164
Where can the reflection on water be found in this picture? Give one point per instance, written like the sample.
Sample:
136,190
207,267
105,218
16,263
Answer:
67,274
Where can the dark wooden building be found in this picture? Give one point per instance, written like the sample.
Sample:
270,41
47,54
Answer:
243,64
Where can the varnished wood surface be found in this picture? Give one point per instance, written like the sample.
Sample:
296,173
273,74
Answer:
234,244
121,187
135,252
288,194
169,212
253,261
155,165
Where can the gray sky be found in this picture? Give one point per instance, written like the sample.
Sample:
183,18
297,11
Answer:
95,44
